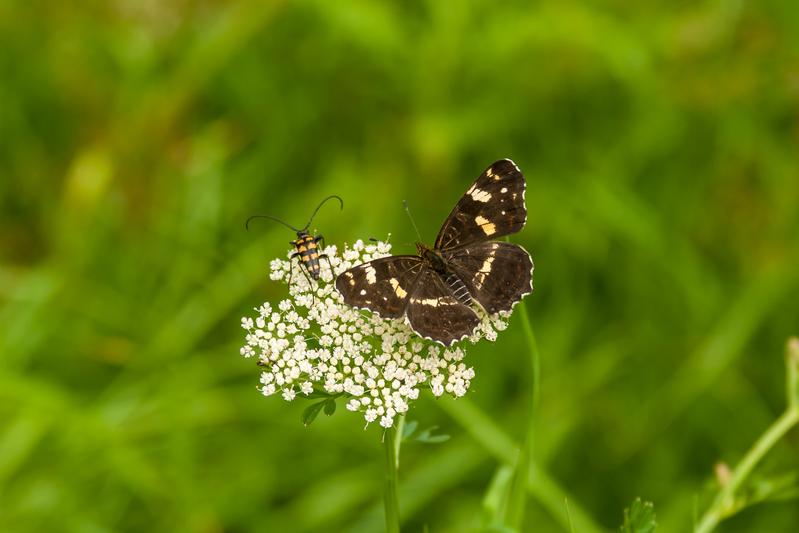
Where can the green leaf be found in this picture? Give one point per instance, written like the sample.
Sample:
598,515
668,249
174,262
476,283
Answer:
782,487
310,413
330,406
639,518
409,428
428,437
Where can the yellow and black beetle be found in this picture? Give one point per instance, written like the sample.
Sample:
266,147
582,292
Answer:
307,246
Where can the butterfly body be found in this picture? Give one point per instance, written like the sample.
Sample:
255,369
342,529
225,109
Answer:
436,262
436,289
432,257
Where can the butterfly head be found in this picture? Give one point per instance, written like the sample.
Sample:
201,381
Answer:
431,256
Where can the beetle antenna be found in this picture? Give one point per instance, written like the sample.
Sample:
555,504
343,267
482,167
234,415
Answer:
247,224
320,205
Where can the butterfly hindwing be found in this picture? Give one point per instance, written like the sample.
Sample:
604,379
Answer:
491,208
382,286
497,274
434,313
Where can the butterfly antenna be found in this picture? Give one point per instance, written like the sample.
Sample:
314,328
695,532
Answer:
408,211
320,205
247,224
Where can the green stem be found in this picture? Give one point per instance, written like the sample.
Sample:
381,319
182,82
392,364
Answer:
391,447
724,505
535,358
518,490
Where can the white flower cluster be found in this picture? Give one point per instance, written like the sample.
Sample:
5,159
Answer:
314,343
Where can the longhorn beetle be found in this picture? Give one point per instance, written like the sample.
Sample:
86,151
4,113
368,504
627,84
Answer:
306,245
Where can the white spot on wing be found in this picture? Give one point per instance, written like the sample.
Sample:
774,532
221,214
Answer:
479,195
480,277
371,274
488,227
503,190
399,291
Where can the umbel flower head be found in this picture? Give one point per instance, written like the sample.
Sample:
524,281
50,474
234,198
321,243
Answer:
312,344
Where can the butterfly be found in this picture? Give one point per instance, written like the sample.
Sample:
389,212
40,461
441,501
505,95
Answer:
436,289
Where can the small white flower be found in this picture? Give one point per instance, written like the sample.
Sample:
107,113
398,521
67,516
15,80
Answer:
313,341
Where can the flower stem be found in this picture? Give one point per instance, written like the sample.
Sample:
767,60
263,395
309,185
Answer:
724,504
535,358
518,491
391,444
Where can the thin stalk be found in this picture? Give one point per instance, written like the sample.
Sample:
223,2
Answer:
724,504
391,444
518,489
535,358
535,361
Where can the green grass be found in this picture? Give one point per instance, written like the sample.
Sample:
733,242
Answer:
659,143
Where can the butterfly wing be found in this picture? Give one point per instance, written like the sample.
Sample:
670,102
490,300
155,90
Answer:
382,286
434,313
492,207
497,274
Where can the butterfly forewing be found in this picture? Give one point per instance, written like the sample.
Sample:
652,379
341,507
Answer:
434,313
491,208
383,285
497,274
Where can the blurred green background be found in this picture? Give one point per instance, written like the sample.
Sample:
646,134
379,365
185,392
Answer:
659,141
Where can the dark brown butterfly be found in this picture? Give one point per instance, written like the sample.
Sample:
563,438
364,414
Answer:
435,289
